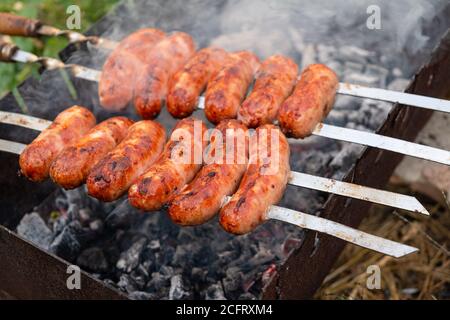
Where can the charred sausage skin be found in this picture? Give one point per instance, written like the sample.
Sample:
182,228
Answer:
175,167
113,175
310,103
165,59
227,89
274,82
116,85
263,183
72,166
69,126
201,199
188,83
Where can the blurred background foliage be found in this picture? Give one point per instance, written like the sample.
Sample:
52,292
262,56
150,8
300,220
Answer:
51,12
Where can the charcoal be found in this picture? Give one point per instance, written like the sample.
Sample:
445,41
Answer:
33,228
96,225
126,283
121,217
130,258
177,292
233,279
85,216
93,259
141,295
154,245
66,244
215,292
157,282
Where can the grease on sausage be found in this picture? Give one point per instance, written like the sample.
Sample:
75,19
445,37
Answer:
113,175
178,164
227,89
263,183
310,103
68,127
274,82
116,85
165,59
72,166
201,199
188,83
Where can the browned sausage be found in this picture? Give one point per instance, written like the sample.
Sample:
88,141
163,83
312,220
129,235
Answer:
310,103
275,80
227,89
201,199
69,126
72,166
188,83
263,183
180,161
116,85
113,175
166,58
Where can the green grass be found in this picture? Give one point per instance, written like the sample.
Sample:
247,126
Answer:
51,12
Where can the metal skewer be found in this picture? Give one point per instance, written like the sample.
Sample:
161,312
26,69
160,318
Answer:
340,231
297,179
13,25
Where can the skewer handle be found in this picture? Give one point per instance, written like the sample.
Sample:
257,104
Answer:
7,50
13,25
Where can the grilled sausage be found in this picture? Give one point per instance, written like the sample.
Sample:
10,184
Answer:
114,174
165,59
116,85
188,83
227,89
68,127
310,103
176,167
275,80
200,200
72,166
263,183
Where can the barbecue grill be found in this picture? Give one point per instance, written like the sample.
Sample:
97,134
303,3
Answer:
43,275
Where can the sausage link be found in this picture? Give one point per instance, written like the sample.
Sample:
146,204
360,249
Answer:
116,85
69,126
275,80
263,183
165,59
227,89
113,175
188,83
176,167
72,166
200,200
310,103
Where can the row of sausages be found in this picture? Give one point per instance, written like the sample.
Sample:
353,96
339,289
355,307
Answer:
117,155
151,68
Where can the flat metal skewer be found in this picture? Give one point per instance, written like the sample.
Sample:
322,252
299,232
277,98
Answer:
394,97
375,140
340,231
298,179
